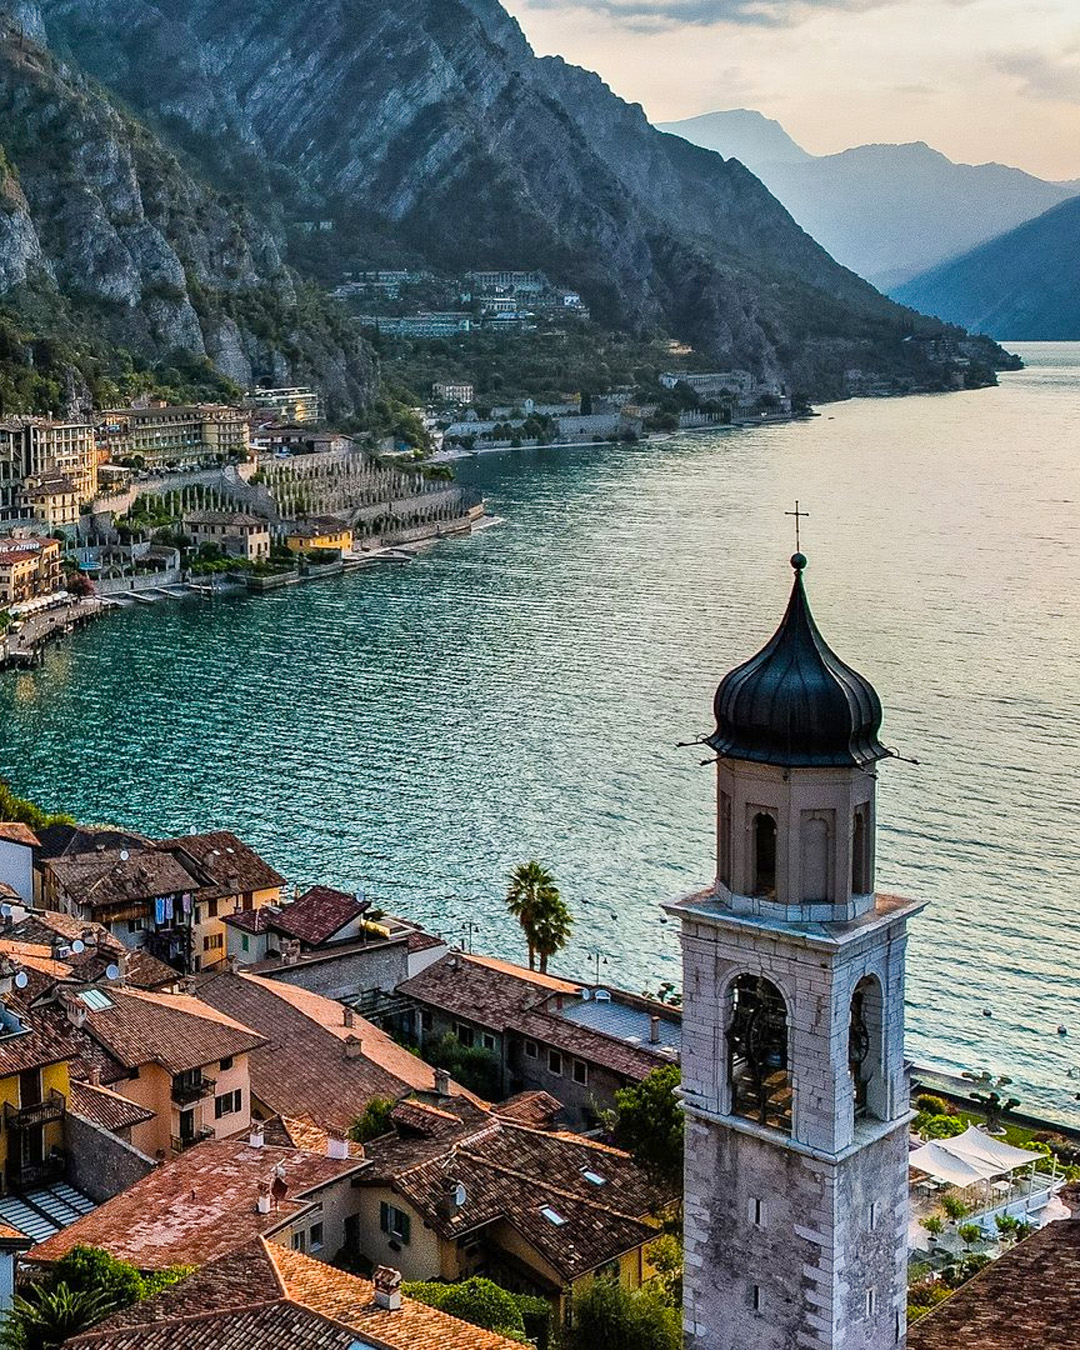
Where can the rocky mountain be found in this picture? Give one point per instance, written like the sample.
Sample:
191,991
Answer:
888,212
108,247
429,127
743,134
1023,286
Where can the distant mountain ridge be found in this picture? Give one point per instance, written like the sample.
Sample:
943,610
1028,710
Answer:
889,212
431,126
1023,286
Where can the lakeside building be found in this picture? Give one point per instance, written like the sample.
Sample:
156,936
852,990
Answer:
458,394
169,897
29,569
32,448
457,1191
794,1082
183,1063
297,404
300,440
319,532
52,499
579,1043
163,434
325,941
266,1298
236,533
515,282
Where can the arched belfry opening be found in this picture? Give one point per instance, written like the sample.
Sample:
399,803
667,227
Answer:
865,1050
860,854
759,1073
764,854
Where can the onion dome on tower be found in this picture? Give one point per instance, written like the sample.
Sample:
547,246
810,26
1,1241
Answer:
796,704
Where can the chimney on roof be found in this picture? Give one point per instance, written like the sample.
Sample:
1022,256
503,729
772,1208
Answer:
387,1283
75,1009
451,1198
442,1083
262,1200
8,969
337,1146
93,1075
121,967
255,1138
354,1047
654,1030
89,937
231,963
349,1018
279,1187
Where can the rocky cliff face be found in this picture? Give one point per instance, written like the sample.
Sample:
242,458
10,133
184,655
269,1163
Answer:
104,233
432,122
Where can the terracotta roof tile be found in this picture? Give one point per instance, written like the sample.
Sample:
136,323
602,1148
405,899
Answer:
317,915
1029,1297
510,1174
538,1109
15,832
174,1030
264,1297
33,1047
230,864
198,1207
106,1109
302,1069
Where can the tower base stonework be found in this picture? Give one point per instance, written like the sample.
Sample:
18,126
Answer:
788,1251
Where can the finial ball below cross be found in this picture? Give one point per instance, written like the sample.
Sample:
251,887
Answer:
798,558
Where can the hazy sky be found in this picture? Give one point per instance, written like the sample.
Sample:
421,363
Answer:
977,79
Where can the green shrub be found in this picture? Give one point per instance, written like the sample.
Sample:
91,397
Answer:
479,1301
373,1121
609,1317
927,1104
953,1206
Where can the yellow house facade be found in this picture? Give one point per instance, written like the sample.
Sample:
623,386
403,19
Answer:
34,1088
322,533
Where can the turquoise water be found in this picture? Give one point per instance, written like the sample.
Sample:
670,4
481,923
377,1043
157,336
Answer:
419,730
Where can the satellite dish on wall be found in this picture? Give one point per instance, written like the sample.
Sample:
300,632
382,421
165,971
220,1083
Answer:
22,980
124,855
5,911
78,945
112,971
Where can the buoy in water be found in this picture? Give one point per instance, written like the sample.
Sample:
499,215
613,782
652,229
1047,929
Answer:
1063,1030
988,1012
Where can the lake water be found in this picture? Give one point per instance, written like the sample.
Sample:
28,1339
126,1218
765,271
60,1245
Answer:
417,731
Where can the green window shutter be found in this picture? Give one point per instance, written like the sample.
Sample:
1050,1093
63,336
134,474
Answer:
384,1217
406,1223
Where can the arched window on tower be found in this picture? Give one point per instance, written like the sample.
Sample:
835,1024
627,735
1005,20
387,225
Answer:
758,1071
860,854
865,1050
764,855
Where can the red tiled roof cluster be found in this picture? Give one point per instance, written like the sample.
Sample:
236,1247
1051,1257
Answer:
264,1297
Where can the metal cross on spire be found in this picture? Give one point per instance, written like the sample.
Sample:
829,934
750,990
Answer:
800,516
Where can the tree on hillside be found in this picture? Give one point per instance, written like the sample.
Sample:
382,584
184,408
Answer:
648,1123
609,1317
533,899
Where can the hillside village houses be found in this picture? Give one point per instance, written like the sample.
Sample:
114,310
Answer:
29,568
160,434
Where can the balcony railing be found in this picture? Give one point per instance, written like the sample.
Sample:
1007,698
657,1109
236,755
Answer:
179,1145
188,1090
51,1108
21,1177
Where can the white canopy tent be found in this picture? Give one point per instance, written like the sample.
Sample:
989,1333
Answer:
970,1157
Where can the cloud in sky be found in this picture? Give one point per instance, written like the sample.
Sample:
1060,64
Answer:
665,14
977,79
1055,78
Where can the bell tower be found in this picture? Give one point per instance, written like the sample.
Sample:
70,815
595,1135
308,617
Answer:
794,1084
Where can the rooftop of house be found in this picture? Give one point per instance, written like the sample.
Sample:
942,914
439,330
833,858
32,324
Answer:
1030,1297
60,933
315,526
205,866
15,832
313,917
105,1109
263,1297
612,1031
312,1063
230,865
578,1203
177,1031
202,1205
61,839
29,1041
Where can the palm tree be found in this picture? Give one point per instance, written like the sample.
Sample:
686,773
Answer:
551,930
47,1317
530,896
